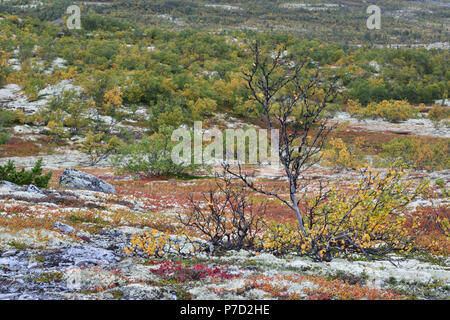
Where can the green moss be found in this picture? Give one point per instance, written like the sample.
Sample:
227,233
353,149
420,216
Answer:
18,245
183,294
49,277
117,294
40,259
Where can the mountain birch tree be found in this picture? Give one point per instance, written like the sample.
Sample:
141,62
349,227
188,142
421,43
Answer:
290,95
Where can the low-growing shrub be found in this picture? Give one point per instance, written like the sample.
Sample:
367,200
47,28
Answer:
440,183
65,114
392,110
99,146
181,272
338,154
150,157
156,244
437,114
435,238
9,173
320,288
7,118
418,153
4,136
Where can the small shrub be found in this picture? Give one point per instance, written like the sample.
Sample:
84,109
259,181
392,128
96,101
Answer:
225,217
99,147
418,153
437,114
49,277
435,238
321,288
9,173
150,157
158,245
65,111
440,183
340,155
4,136
180,272
392,110
7,118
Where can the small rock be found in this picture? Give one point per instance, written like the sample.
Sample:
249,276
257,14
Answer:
25,129
34,189
64,228
138,291
9,253
75,179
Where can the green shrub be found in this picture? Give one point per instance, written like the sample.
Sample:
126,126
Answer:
6,119
9,173
4,136
392,111
437,114
440,183
150,157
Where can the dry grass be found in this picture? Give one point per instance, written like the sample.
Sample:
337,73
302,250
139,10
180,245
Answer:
17,223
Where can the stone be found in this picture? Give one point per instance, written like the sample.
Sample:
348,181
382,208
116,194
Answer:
76,179
64,228
137,291
88,255
33,189
10,186
9,253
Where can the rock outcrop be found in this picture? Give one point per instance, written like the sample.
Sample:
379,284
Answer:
75,179
10,186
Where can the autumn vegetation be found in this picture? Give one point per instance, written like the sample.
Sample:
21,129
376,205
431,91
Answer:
128,84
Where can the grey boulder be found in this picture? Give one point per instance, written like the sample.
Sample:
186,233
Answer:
76,179
10,186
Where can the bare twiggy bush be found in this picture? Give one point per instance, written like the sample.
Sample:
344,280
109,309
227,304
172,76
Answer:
225,216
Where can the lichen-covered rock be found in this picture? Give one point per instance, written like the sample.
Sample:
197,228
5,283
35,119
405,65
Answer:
10,186
14,191
83,256
75,179
64,228
137,291
32,188
85,279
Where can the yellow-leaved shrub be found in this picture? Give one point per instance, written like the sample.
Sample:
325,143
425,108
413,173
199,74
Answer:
368,221
389,110
157,244
338,155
